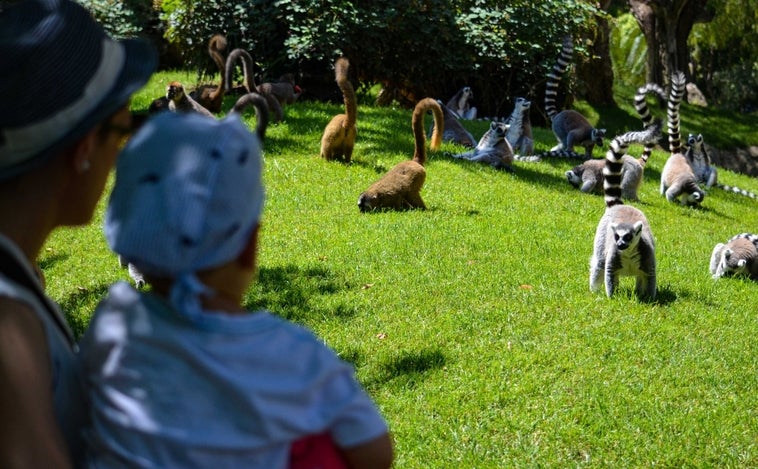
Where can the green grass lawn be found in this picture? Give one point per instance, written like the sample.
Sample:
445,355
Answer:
472,323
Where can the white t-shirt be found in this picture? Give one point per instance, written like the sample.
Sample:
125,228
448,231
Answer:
215,392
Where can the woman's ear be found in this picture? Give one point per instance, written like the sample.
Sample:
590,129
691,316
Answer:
81,152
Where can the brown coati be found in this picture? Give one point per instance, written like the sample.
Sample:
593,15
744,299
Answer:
179,101
400,188
211,97
261,111
274,106
338,140
570,127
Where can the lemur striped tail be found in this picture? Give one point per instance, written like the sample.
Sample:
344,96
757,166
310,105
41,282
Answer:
614,159
640,104
737,190
563,154
554,77
675,100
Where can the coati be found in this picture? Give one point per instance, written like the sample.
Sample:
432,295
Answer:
261,111
495,150
400,188
274,106
738,256
624,243
460,104
570,127
338,139
179,101
454,130
209,96
285,90
678,180
519,133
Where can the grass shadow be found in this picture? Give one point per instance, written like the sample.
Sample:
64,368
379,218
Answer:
296,294
406,368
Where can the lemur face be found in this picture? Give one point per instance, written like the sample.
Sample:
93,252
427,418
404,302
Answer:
597,136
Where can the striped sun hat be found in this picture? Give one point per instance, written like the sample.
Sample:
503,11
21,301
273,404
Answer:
60,76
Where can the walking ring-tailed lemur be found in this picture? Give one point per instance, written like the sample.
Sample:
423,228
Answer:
738,256
624,243
569,126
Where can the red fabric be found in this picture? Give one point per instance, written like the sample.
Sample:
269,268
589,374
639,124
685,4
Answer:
316,452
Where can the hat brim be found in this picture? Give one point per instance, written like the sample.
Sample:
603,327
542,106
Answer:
140,61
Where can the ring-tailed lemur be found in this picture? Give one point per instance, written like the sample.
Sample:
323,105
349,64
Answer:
700,161
588,176
678,180
519,133
460,104
624,244
705,172
640,104
570,127
495,150
676,94
454,130
738,256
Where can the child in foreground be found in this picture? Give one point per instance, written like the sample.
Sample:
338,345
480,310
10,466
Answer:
183,375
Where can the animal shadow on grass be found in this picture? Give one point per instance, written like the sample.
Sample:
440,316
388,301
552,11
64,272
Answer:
296,294
406,368
49,261
83,299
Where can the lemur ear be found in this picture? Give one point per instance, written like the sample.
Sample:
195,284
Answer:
741,263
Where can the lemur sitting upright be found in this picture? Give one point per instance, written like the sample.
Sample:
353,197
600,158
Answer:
460,104
519,133
570,127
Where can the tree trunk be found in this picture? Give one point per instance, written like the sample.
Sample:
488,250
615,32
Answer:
597,72
666,25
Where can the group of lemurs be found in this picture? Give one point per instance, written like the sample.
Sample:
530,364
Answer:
624,244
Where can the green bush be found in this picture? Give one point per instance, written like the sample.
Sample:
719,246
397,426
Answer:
413,48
